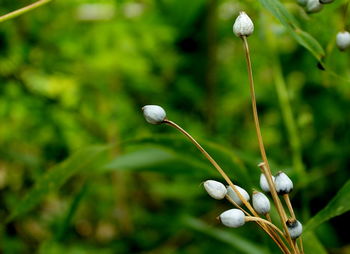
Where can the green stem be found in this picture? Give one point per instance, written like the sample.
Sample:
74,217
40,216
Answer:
23,10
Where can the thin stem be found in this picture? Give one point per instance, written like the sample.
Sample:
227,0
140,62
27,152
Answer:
23,10
267,170
268,217
249,218
301,244
236,205
295,245
278,241
214,163
274,236
289,205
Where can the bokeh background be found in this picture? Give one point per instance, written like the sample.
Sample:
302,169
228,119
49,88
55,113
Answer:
73,78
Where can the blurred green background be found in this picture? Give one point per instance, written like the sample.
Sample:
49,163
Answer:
73,78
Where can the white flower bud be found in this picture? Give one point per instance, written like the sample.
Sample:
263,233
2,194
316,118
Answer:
326,1
264,185
313,6
283,184
154,114
243,25
295,228
343,40
261,203
215,189
232,194
302,2
232,218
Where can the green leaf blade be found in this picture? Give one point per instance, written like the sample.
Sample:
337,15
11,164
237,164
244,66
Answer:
338,205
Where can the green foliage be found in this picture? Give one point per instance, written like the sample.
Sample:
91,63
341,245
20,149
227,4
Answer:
289,22
73,77
84,160
338,205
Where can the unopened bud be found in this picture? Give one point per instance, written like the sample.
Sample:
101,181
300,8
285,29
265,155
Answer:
343,40
232,218
243,25
313,6
283,184
154,114
264,185
215,189
295,228
232,194
261,203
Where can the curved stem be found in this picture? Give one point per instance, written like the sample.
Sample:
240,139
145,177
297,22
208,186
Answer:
277,239
250,218
23,10
214,163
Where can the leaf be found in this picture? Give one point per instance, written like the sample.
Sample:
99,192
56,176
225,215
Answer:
226,158
230,238
159,159
338,205
54,178
312,244
302,37
141,158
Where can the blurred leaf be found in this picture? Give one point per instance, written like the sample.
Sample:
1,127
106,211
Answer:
156,158
302,37
312,244
84,159
231,239
226,158
65,223
337,206
141,158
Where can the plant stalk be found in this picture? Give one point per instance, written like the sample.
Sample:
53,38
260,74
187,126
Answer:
23,10
278,241
266,168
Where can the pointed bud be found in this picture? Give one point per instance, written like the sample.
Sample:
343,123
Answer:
295,228
261,203
232,218
326,1
283,184
343,40
154,114
215,189
232,194
264,185
243,25
313,6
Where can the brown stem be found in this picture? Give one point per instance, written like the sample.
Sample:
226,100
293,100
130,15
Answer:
267,170
214,163
236,205
249,218
301,245
289,205
268,217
